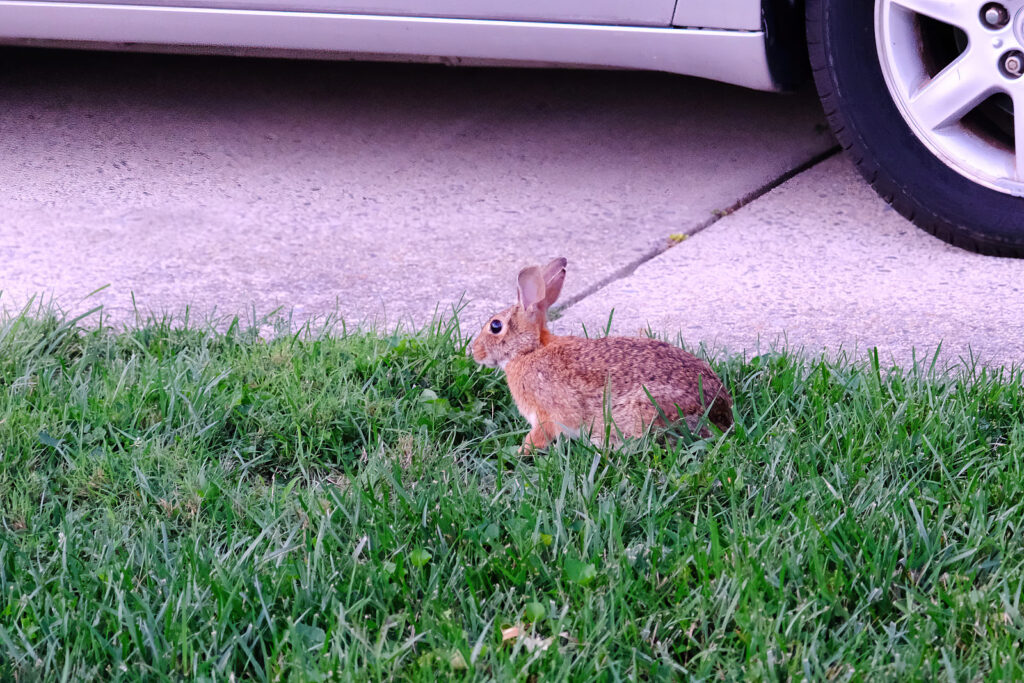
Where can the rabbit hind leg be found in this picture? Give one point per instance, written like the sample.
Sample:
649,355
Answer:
637,411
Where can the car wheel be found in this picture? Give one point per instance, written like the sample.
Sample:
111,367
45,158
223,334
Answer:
922,94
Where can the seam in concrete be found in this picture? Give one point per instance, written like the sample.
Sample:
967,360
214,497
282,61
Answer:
754,195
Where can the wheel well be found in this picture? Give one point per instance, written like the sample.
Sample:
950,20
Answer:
786,42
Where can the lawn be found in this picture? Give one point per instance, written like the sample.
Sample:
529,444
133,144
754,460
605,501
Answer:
180,503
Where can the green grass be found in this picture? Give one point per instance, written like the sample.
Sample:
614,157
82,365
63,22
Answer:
186,504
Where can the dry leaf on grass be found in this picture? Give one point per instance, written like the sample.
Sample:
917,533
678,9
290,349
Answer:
457,661
532,642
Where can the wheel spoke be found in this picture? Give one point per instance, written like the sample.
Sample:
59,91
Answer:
954,92
959,13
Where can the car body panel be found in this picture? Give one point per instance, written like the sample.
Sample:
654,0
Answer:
615,12
729,56
734,15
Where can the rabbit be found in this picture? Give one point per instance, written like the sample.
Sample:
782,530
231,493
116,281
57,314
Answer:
567,385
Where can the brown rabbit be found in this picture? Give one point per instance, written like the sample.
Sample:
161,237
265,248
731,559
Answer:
566,385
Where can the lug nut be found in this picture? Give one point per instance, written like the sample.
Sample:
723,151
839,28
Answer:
1012,64
994,15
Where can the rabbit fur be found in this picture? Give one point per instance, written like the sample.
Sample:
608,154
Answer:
570,385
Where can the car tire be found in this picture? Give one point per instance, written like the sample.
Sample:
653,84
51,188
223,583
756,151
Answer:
930,185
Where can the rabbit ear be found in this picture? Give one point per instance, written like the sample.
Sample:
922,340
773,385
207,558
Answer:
554,277
530,288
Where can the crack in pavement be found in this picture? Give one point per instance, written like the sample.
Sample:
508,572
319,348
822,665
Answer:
628,269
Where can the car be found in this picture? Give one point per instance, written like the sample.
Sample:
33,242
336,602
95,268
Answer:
921,93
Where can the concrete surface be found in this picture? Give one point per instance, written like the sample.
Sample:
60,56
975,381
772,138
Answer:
822,263
379,190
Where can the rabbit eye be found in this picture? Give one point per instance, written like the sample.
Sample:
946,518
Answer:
495,326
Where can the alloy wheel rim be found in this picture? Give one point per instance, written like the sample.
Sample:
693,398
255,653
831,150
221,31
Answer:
955,69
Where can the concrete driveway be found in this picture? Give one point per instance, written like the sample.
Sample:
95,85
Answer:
382,191
822,264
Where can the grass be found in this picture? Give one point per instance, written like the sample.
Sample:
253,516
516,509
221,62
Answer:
178,503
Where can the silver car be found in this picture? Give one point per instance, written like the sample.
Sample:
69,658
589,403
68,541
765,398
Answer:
922,93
